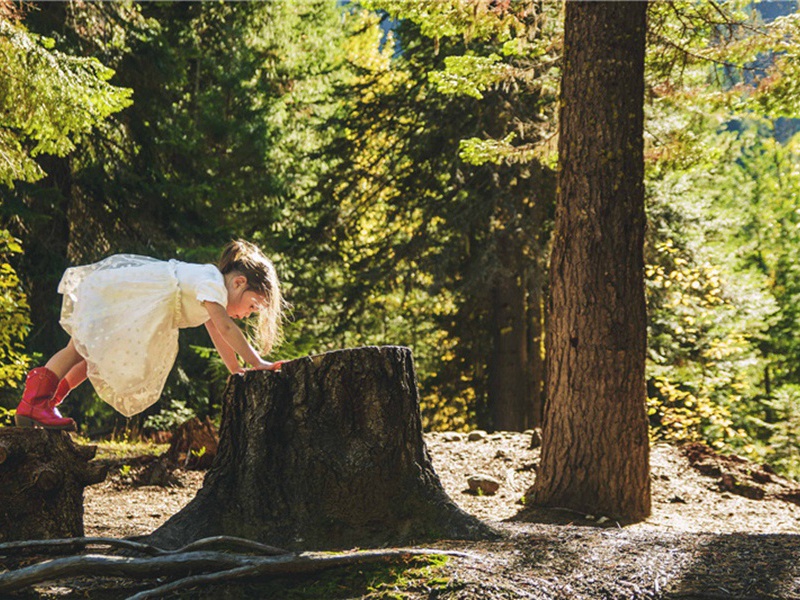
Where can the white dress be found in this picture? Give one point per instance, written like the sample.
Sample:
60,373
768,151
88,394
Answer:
123,314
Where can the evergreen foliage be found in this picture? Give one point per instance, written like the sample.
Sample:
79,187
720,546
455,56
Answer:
397,159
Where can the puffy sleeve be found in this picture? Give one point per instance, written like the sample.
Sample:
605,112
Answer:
210,286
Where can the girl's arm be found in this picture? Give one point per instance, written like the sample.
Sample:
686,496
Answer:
233,336
226,353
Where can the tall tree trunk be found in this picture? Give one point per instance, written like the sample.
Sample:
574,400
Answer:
46,243
327,453
536,353
508,392
595,439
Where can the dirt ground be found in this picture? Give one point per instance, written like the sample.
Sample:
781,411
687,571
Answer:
720,528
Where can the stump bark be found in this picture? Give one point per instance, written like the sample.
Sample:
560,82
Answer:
43,474
327,453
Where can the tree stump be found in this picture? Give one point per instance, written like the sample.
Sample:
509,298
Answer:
43,474
327,453
194,445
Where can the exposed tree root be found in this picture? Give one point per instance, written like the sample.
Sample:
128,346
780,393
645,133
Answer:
186,562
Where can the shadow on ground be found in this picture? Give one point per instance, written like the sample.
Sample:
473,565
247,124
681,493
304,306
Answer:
579,562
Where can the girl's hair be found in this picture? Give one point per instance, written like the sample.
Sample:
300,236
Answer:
247,259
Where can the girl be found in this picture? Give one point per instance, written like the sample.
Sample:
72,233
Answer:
123,315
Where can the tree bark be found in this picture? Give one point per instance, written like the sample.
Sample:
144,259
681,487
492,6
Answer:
536,347
595,439
327,453
46,241
508,393
43,474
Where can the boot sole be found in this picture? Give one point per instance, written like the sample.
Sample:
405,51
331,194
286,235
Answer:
30,423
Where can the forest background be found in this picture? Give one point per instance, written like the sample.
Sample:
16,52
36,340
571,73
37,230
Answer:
397,160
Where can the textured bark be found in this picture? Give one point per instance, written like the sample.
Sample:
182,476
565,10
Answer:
536,351
595,440
327,453
43,474
509,394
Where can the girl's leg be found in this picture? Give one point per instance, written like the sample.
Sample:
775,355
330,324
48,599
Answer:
69,382
64,360
76,375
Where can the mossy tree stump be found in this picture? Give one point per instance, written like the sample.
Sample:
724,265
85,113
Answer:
327,453
42,478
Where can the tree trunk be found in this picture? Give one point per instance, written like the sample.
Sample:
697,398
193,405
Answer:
46,240
595,439
536,350
327,453
508,393
43,474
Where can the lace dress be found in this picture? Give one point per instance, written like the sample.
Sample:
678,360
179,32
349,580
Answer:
123,314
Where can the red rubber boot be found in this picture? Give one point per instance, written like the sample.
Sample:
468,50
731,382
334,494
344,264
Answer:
36,410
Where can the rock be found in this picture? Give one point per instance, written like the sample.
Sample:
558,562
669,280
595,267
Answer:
483,484
453,436
477,435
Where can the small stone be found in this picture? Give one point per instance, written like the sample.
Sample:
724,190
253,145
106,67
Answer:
483,484
453,436
477,435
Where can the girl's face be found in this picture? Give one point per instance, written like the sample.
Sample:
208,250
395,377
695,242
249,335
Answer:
242,302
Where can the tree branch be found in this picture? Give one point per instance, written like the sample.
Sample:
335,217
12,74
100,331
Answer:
217,566
300,564
220,542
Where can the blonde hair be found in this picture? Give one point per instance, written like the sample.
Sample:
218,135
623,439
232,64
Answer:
248,260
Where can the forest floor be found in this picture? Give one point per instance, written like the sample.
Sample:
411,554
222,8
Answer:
721,528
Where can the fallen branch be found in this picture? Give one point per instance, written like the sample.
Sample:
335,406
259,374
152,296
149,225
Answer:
294,565
213,566
220,542
118,566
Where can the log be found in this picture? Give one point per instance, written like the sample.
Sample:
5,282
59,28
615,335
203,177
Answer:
325,454
43,475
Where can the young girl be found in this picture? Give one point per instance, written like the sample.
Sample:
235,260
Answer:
123,315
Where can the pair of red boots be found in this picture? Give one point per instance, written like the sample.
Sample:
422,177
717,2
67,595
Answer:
43,393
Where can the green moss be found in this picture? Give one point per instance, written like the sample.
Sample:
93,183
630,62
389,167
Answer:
394,581
122,449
